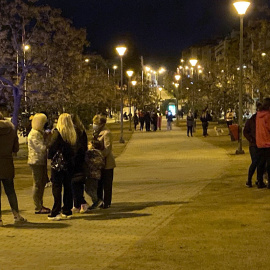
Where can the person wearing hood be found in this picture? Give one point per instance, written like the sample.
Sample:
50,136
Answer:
8,144
263,142
37,159
104,135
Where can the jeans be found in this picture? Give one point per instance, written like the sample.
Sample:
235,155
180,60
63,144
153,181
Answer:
59,179
91,187
255,159
169,125
40,176
264,155
105,186
11,195
205,126
189,130
78,190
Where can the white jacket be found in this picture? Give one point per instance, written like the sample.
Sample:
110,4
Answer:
37,151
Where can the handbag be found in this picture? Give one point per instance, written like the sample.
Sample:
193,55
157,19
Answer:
58,162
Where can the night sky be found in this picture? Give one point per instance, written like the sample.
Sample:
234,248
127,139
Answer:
156,29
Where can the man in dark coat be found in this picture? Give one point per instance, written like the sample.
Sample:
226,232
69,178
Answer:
8,144
250,135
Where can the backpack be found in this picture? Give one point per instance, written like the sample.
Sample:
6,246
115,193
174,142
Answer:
58,162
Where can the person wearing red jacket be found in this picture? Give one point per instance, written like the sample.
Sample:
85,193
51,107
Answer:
263,141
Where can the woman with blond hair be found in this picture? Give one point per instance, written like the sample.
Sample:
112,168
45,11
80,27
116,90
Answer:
61,152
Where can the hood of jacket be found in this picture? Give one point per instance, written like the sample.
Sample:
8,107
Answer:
38,121
263,114
6,127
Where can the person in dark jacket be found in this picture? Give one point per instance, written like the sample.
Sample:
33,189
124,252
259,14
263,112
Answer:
263,142
78,178
147,119
205,118
8,144
63,141
135,121
250,135
141,119
190,122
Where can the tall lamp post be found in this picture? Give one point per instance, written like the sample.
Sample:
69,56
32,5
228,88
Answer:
177,78
129,73
193,63
121,51
25,48
241,7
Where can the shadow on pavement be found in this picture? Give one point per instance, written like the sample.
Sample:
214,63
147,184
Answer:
124,210
31,225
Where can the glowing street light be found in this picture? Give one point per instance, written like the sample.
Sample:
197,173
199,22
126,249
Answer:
241,7
193,62
86,60
129,73
121,51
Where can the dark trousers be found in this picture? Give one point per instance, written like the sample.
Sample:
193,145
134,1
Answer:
264,155
255,159
141,124
147,125
11,195
59,179
204,126
78,192
105,186
189,130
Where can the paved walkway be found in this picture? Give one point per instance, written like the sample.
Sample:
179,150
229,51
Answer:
158,173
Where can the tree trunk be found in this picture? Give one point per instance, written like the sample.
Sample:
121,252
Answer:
16,107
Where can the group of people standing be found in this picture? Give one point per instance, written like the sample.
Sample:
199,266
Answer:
191,122
76,164
150,120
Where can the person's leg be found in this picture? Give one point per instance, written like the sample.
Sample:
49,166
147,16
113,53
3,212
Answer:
261,167
191,131
40,178
91,186
255,158
100,186
108,182
11,194
57,179
67,197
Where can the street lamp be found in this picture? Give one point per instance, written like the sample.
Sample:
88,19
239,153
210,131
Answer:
25,48
193,63
121,51
177,78
129,73
241,7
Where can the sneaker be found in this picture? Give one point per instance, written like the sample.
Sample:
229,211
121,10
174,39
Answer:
249,184
63,216
43,210
95,205
75,210
84,208
54,218
1,223
19,220
48,184
261,185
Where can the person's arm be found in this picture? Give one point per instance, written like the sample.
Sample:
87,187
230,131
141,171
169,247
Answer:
107,143
247,131
16,146
54,146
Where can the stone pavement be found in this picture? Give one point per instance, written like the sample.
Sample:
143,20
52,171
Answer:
158,173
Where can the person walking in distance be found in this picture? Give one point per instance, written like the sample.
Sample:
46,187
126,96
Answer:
103,134
250,134
8,144
169,117
190,122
